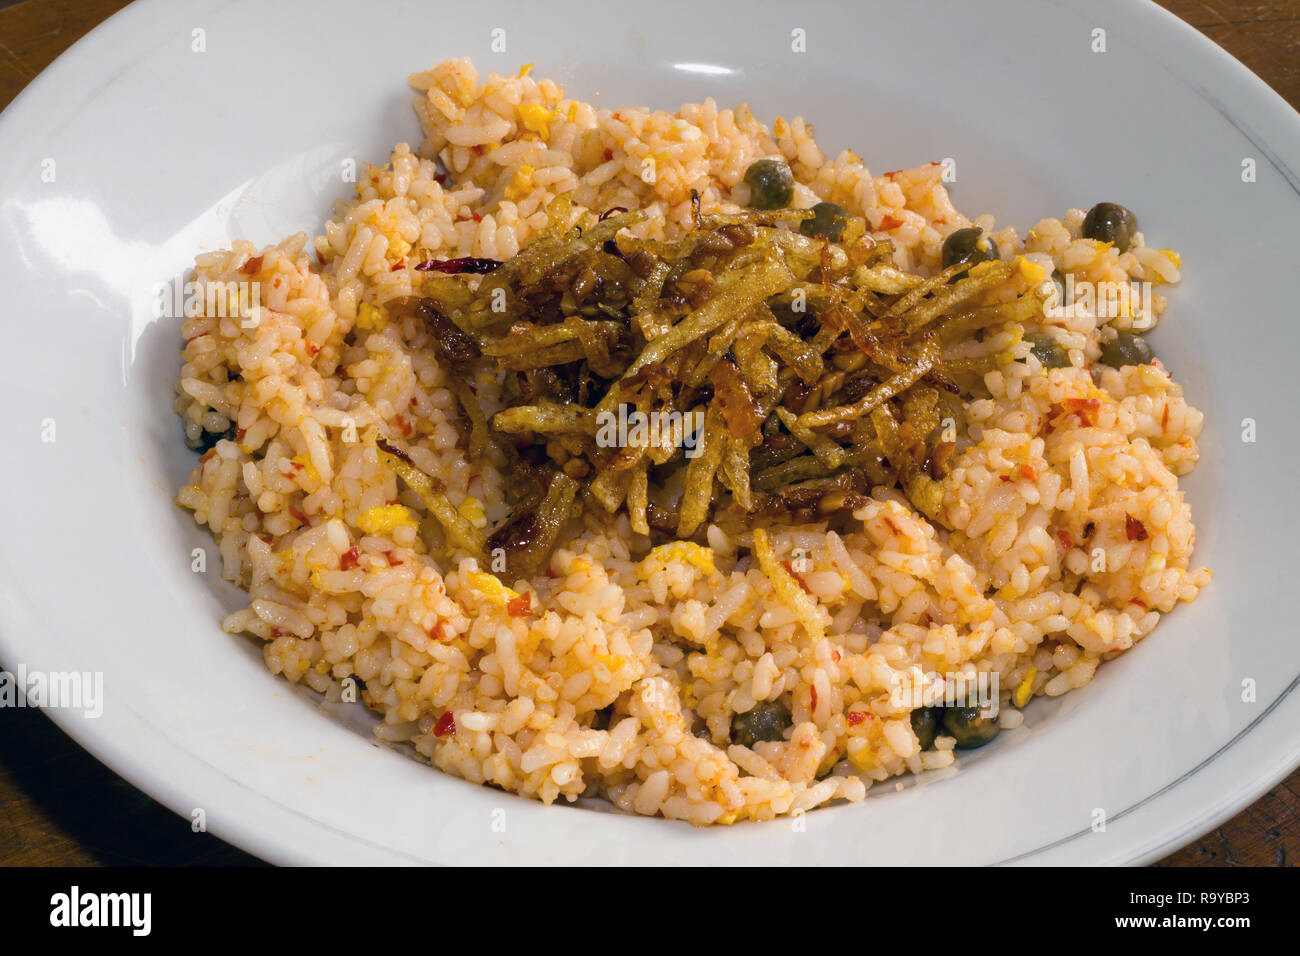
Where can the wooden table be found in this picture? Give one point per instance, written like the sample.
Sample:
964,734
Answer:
58,805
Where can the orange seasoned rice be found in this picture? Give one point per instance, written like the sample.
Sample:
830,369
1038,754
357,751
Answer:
618,673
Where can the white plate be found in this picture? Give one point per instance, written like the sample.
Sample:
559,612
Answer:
159,151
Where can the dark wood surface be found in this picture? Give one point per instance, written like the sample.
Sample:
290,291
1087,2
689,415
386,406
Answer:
58,805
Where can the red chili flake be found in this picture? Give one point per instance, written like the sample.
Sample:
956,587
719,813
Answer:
1066,539
1164,418
1134,528
1004,477
439,633
414,401
1141,604
440,179
890,222
252,266
296,466
266,538
520,606
1027,472
835,655
392,561
398,266
796,575
893,527
1085,409
609,154
476,150
812,696
446,726
312,348
276,632
402,424
1082,404
892,173
296,514
239,433
856,717
1156,363
471,265
207,454
349,559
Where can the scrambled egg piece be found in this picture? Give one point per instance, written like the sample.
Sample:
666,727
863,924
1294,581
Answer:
385,518
536,118
521,183
864,759
370,317
490,586
1026,688
1031,270
471,509
385,222
694,554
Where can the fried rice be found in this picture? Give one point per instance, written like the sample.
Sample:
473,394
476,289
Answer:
618,673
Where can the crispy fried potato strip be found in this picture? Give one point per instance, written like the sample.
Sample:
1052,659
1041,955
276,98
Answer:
458,528
744,366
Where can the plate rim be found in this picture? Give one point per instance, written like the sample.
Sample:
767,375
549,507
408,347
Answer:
1242,92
